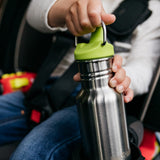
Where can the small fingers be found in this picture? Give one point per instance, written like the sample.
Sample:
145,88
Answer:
122,87
76,77
75,20
70,25
78,20
128,95
118,78
85,16
94,9
108,18
117,63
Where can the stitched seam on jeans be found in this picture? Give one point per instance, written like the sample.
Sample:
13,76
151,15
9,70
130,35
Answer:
71,139
10,119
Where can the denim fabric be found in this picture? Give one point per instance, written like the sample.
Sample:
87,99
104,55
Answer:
13,122
54,139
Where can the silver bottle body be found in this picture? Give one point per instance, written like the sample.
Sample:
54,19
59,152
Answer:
102,114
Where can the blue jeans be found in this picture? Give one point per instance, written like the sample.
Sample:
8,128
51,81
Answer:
13,121
54,139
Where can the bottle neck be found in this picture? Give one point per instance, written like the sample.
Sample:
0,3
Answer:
95,72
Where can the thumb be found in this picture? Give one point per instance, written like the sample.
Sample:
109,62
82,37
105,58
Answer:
107,18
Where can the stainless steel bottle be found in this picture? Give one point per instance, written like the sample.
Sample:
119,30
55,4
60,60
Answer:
102,113
101,108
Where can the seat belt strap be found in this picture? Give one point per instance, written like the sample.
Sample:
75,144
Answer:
57,52
36,99
61,90
126,22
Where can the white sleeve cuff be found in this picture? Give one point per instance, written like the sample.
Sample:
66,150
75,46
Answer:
37,16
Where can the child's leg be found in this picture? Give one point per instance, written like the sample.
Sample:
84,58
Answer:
53,139
13,121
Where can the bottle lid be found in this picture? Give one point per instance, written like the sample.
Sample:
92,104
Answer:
95,49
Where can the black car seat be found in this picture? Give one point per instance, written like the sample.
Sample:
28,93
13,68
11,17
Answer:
31,49
7,150
12,14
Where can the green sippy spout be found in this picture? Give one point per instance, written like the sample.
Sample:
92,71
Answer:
95,48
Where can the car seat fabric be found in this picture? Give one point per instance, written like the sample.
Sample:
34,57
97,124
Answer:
32,48
9,26
7,150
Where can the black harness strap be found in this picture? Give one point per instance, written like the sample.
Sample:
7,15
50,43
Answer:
62,89
57,52
36,98
129,15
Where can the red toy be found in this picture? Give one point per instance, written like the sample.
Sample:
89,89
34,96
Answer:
148,145
17,81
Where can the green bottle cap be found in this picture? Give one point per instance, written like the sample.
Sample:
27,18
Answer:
94,49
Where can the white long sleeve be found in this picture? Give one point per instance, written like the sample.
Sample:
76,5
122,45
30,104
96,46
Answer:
37,15
142,59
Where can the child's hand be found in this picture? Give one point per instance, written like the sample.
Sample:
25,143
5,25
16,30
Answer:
80,16
84,16
119,81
